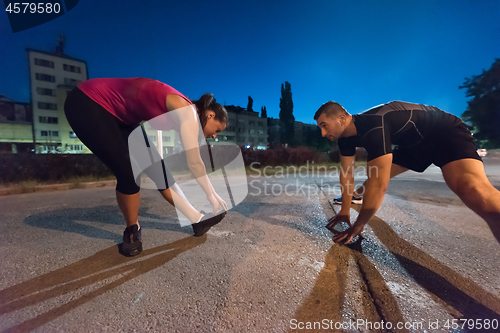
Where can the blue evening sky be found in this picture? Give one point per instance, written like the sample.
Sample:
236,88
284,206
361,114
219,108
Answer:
358,53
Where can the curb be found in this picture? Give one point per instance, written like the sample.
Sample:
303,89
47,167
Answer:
55,187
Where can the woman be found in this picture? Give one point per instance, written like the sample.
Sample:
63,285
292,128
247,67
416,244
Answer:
104,111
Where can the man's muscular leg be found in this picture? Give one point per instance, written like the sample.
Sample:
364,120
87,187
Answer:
468,180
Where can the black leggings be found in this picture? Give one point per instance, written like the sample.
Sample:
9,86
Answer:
107,137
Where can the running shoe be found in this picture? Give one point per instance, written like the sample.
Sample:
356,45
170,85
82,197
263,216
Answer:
355,200
209,220
132,243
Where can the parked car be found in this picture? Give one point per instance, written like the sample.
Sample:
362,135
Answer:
482,152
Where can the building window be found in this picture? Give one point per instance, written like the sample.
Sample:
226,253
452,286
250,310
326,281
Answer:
70,68
44,63
50,133
71,82
47,106
251,122
251,131
45,77
166,139
46,91
48,120
260,131
260,123
72,135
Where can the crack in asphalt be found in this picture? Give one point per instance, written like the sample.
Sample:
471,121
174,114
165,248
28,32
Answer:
380,295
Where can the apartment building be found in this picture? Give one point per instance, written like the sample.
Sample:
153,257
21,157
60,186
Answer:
16,130
304,134
52,76
244,128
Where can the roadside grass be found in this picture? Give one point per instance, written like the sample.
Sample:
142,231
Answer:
28,185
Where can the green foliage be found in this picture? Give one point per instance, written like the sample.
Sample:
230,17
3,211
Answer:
250,104
287,120
483,111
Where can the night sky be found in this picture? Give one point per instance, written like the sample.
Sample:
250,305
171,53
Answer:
358,53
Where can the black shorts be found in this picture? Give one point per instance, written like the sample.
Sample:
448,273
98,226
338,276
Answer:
107,137
455,144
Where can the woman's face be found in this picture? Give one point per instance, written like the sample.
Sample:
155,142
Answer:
213,126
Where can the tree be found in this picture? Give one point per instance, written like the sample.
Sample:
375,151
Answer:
483,111
315,140
263,112
250,104
287,120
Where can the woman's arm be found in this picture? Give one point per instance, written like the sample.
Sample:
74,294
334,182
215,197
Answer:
185,115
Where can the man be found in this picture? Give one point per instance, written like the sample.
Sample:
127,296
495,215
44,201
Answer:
421,135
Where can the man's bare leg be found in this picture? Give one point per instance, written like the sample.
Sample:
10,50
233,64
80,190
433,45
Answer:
468,180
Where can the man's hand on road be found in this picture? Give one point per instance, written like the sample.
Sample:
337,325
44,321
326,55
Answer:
347,236
340,217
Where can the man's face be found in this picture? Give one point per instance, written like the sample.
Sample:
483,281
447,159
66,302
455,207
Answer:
331,127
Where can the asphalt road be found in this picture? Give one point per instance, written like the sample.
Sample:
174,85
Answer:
270,266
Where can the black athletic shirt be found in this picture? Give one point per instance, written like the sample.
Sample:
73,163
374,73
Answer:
396,124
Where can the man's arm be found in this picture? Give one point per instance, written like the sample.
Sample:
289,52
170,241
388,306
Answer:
347,186
379,174
347,181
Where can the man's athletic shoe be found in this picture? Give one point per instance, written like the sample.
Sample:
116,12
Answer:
355,200
209,221
132,243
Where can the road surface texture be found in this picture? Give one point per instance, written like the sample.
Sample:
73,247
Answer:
425,262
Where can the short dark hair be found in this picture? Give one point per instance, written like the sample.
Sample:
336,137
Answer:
208,102
330,109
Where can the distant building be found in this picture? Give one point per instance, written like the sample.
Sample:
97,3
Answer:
16,126
170,141
306,134
273,131
244,128
52,76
